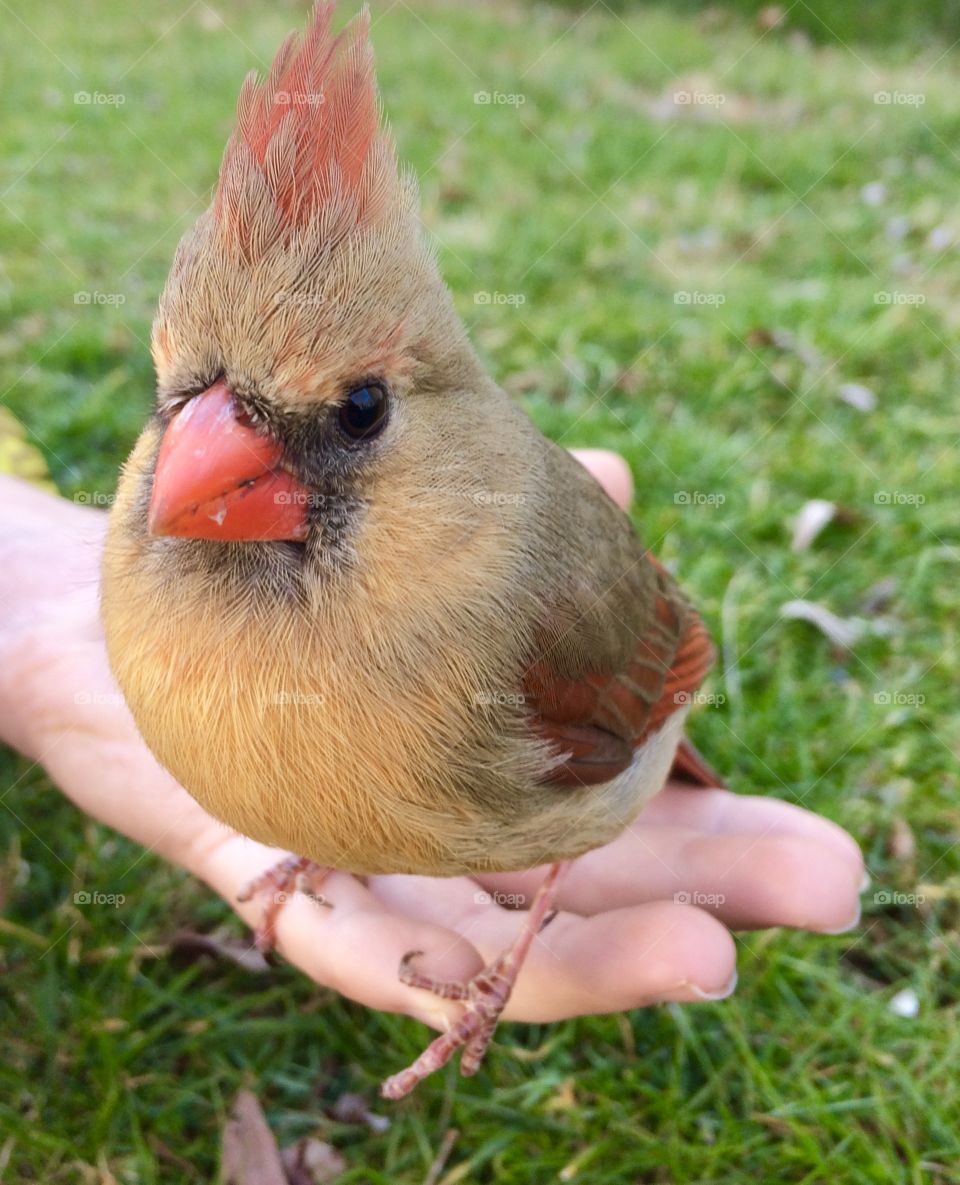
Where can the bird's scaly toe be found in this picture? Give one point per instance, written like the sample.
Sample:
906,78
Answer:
276,886
485,996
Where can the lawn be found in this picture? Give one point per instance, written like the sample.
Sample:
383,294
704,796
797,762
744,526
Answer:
722,243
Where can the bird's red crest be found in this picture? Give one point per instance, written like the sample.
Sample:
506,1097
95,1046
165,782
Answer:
311,130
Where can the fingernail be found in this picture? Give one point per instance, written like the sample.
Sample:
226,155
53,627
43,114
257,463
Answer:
727,990
866,882
851,925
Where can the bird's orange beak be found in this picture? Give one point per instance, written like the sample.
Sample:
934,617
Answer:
218,478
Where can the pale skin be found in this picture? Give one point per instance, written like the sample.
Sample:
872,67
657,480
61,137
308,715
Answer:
628,932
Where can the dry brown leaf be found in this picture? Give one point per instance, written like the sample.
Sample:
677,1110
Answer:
166,1153
450,1137
353,1108
632,380
191,944
777,1125
879,596
250,1154
771,17
312,1162
903,845
787,343
564,1098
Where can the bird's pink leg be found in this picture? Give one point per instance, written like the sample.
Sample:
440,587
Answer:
485,997
277,885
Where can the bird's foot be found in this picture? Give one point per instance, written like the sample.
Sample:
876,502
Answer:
485,996
276,886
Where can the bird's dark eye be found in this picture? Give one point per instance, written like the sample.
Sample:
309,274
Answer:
364,412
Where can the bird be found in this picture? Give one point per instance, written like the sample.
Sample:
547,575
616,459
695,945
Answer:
357,603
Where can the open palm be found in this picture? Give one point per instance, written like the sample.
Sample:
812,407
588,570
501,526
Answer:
646,918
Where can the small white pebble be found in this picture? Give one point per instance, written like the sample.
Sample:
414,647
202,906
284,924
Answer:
858,396
874,193
905,1003
940,238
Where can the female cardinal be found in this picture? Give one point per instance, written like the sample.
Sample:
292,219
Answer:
358,605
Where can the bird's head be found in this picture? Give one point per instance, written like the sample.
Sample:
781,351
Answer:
304,331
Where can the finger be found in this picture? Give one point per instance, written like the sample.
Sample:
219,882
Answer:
721,812
352,942
610,470
626,958
579,966
749,881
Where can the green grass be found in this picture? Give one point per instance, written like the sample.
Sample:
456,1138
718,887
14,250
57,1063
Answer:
598,200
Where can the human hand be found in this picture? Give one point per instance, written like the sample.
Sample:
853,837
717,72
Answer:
646,918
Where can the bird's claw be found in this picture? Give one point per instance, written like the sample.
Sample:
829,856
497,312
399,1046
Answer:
277,885
485,996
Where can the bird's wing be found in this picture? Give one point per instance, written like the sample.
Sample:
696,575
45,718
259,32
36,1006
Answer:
689,765
600,718
616,652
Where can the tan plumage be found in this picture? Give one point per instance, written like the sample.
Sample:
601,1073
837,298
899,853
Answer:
363,703
469,662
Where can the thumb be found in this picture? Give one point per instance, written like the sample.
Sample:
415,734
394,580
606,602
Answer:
610,470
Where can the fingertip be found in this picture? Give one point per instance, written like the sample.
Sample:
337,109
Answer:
704,950
722,812
610,470
800,883
722,993
626,958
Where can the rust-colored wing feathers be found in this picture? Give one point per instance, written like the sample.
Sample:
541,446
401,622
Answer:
600,719
689,765
688,668
595,755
